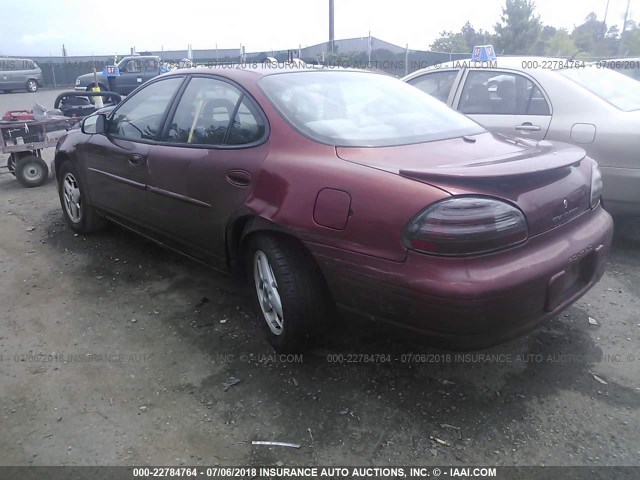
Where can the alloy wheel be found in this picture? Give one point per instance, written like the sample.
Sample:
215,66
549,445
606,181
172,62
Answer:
72,198
268,294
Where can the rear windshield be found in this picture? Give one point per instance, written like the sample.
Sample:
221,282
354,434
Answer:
362,109
619,90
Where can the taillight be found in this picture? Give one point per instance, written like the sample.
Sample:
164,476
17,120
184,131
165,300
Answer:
466,226
596,185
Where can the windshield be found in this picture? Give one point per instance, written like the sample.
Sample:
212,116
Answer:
362,109
619,90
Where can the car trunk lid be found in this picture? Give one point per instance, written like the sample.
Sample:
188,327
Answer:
549,182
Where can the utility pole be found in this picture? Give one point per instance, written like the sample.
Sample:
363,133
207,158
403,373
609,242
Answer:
623,36
331,26
604,23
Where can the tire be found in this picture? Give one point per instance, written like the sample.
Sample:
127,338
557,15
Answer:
83,218
7,91
11,164
305,305
31,171
32,86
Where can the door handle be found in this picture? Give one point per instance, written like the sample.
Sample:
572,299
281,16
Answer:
239,178
528,127
137,160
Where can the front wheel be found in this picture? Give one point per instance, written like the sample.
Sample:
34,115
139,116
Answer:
32,86
31,171
78,212
290,293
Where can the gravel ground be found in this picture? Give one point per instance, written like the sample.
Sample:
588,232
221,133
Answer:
169,339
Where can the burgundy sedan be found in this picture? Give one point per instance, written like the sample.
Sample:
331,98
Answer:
344,189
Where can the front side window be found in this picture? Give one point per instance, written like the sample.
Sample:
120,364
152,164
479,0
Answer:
132,66
362,109
619,90
213,112
501,93
140,116
436,84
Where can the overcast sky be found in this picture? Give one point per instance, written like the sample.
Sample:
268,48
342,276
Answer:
40,27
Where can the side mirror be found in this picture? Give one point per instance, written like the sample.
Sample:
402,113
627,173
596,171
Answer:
95,124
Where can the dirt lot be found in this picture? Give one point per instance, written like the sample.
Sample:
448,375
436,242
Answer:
166,334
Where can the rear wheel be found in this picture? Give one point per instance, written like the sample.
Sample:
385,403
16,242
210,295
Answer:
32,86
7,91
78,212
31,171
290,293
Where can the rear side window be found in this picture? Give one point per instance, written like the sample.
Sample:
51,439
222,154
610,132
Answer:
150,65
501,93
140,116
13,64
213,112
436,84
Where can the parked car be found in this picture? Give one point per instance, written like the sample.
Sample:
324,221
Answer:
134,71
594,108
19,74
345,188
627,66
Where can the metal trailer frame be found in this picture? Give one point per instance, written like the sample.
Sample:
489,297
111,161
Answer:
25,147
25,156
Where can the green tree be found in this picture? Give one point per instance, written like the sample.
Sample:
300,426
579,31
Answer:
450,42
631,43
475,37
589,34
560,44
519,30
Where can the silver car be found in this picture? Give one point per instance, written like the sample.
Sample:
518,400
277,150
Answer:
595,108
19,74
627,66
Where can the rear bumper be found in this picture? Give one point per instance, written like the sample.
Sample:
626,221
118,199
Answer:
475,302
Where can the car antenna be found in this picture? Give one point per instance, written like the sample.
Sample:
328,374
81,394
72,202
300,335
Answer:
574,55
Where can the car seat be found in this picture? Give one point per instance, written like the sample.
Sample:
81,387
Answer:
477,100
506,93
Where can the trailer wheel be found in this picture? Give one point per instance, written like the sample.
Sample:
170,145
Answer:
31,171
11,164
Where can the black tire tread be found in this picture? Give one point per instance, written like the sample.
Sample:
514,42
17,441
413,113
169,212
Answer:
20,166
307,305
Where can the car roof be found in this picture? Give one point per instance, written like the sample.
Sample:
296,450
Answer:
521,63
257,70
502,62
